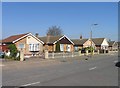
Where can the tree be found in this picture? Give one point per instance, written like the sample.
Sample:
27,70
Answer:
90,49
54,31
13,51
57,47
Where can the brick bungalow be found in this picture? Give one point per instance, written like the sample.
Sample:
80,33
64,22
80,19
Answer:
50,42
101,43
82,43
27,42
113,46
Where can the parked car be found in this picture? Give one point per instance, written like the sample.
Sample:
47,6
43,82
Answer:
2,54
83,50
117,64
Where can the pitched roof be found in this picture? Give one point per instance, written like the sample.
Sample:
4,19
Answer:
79,41
98,41
13,38
111,43
53,39
4,48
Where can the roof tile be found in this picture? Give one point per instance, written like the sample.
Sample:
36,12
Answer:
13,38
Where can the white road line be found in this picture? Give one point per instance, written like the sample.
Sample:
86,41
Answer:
92,68
111,54
1,65
31,84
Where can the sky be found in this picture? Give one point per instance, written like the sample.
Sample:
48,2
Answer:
74,18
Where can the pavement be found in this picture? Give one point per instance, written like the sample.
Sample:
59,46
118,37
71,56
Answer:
99,70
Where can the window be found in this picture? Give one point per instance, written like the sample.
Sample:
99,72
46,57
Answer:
21,46
76,48
33,47
61,47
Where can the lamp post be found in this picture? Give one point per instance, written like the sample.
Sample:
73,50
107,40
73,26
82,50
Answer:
91,36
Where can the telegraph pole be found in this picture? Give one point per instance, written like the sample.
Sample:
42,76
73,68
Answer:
91,36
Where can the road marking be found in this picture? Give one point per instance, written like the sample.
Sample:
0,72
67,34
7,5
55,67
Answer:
1,65
92,68
31,84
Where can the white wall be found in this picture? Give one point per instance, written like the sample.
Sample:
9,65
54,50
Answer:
31,40
105,43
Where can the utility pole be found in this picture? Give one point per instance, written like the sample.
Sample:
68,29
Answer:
91,42
91,37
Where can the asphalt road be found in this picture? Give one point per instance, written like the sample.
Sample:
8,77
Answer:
99,70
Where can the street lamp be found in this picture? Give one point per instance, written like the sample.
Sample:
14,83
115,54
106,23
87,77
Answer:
91,36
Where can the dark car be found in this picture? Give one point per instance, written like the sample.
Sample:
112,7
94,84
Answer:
117,64
2,54
83,50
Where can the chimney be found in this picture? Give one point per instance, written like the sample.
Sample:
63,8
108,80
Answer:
80,37
48,38
37,35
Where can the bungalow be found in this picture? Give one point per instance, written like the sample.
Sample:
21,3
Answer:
101,43
27,42
82,43
118,46
50,42
113,46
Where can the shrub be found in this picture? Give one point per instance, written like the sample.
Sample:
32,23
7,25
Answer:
90,49
57,47
13,52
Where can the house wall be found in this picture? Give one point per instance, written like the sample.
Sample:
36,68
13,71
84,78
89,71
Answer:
72,48
104,44
66,45
50,48
114,47
64,41
88,44
32,40
98,47
110,48
78,47
23,41
26,41
53,47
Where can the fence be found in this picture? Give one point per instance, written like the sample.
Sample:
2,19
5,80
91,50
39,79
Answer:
67,54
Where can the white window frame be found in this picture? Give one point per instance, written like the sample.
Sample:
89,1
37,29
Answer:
61,47
34,47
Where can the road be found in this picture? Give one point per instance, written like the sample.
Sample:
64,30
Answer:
99,70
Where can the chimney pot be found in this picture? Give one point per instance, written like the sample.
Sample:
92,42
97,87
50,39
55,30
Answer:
80,36
37,35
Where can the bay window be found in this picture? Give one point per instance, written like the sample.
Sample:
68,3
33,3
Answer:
33,47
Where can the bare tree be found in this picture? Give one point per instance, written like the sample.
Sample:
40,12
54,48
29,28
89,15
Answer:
54,31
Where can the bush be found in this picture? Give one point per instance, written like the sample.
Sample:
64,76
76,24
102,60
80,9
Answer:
57,47
13,52
90,49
